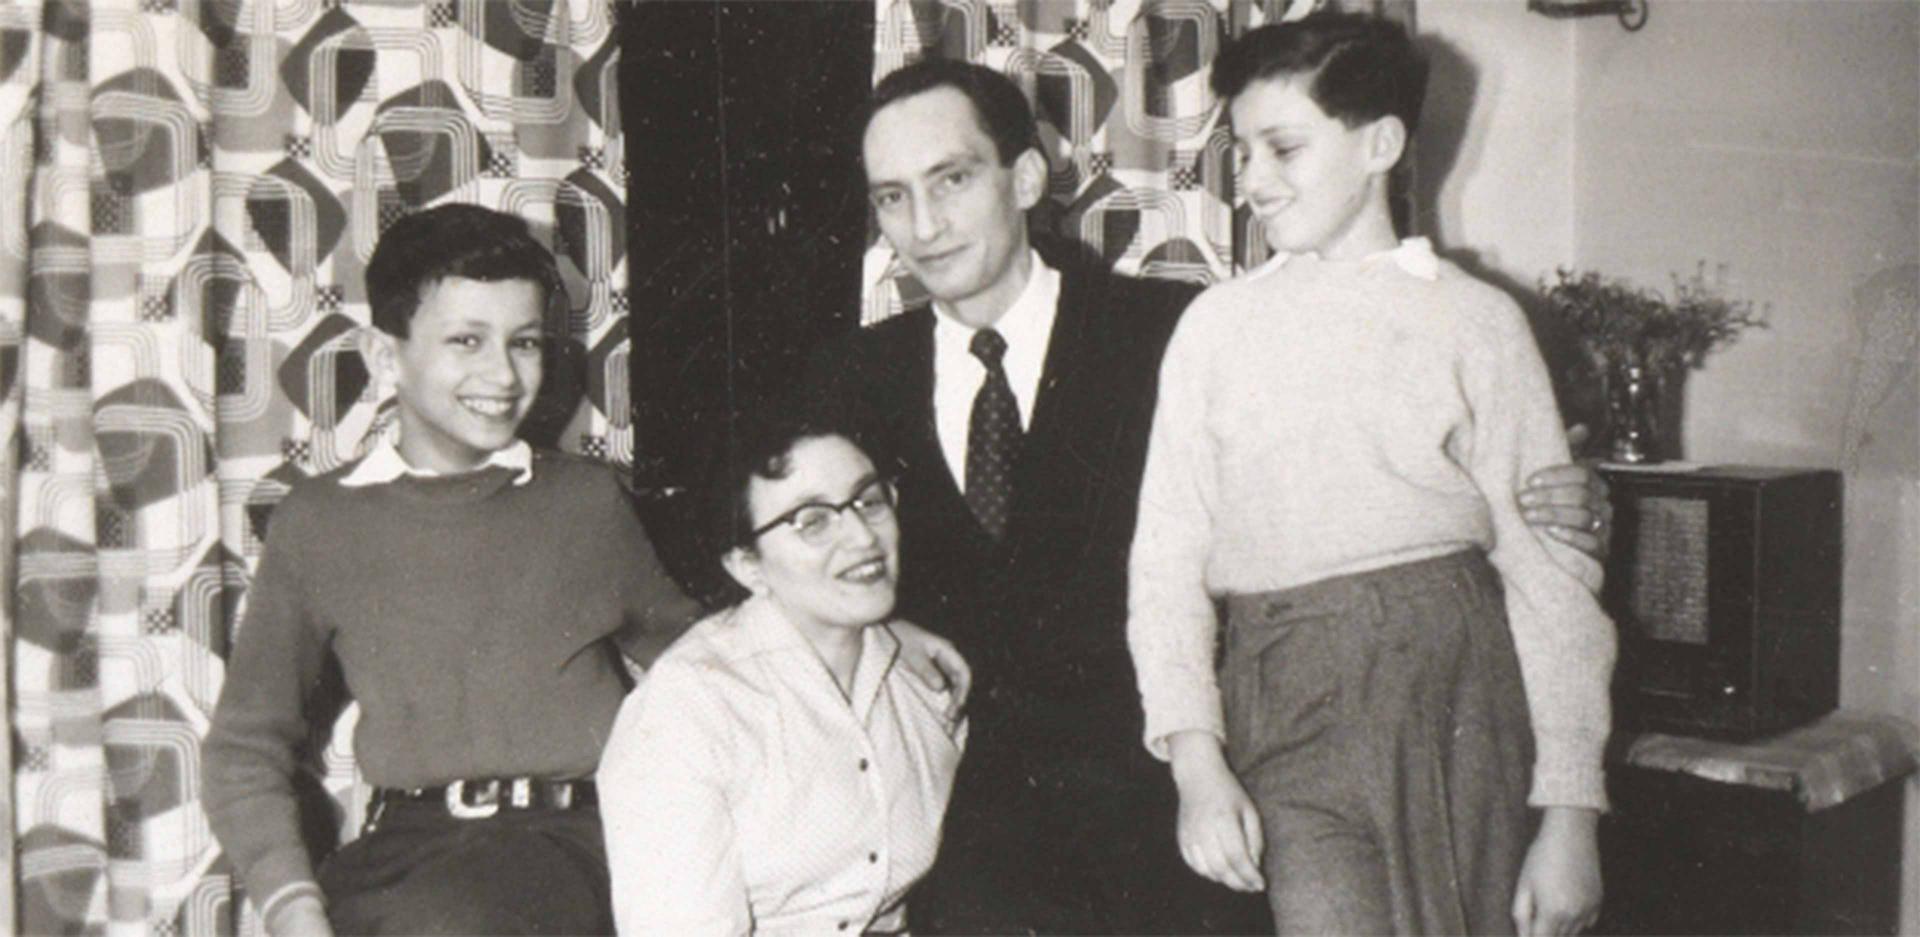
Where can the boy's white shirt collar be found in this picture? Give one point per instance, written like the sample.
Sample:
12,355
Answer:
385,464
1413,255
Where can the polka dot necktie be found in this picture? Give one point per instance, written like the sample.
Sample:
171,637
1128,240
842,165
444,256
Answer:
993,437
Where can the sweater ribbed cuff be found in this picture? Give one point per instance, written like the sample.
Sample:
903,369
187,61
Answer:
1569,786
1185,719
278,875
286,893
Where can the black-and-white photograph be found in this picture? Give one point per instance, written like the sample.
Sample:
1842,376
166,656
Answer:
1002,467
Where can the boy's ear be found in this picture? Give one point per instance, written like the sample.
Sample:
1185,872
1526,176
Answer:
744,566
1029,178
382,352
1386,143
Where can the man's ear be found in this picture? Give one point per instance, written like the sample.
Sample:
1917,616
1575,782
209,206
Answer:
382,354
1029,178
1386,142
744,566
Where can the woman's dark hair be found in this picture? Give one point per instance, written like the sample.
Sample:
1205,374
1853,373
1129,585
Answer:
1362,67
454,240
762,447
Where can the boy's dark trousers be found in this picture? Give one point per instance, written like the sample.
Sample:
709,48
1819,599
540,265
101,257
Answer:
1379,723
417,869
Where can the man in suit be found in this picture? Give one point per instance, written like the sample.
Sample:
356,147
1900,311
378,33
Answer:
1016,408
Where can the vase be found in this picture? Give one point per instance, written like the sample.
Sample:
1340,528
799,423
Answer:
1633,411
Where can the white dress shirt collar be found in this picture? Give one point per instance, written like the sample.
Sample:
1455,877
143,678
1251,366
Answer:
767,630
1027,326
1029,321
385,464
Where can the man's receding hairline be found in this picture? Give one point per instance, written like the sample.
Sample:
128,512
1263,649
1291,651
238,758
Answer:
973,111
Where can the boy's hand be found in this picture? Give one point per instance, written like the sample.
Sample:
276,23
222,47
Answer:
300,916
1559,889
1219,829
934,661
1570,503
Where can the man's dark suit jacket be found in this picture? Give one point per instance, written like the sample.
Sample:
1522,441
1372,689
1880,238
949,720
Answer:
1060,820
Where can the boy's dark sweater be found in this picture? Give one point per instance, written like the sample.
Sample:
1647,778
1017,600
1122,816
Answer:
469,617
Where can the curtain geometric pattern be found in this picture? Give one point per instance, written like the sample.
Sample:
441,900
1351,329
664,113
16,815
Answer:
1141,161
189,192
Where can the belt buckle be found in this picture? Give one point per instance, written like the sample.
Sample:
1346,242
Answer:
487,805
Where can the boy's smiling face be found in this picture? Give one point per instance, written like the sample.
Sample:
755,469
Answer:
467,372
1316,184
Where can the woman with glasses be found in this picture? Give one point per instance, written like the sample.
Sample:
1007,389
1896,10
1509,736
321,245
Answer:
777,770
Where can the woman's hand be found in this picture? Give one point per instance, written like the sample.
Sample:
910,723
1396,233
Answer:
1219,829
300,916
1559,890
934,661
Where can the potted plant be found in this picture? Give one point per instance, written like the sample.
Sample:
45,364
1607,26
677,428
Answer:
1642,343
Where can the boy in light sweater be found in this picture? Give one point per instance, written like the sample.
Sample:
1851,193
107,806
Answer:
1404,732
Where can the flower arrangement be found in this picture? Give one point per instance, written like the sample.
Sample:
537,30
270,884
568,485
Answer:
1641,344
1620,324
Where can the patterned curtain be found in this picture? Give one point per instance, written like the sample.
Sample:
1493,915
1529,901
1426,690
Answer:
189,193
1141,163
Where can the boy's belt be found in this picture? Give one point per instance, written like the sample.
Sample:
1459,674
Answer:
472,799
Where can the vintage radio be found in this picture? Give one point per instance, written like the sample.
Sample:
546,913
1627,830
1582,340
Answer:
1725,584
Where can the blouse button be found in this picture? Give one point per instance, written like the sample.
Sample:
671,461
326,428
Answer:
841,926
873,857
863,764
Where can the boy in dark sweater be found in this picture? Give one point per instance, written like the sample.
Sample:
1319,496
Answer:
466,584
477,595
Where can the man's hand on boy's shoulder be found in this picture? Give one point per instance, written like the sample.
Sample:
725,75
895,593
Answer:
934,661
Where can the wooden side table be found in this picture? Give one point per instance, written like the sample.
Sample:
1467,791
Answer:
1796,834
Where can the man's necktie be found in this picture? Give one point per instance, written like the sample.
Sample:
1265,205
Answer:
993,437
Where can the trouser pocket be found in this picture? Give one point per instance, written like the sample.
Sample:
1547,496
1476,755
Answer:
1281,681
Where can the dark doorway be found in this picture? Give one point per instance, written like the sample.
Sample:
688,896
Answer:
747,219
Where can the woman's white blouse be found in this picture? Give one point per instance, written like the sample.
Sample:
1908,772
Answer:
741,792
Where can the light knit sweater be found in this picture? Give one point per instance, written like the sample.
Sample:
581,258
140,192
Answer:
1318,418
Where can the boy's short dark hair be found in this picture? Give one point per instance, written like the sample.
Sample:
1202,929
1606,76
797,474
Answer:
1363,67
998,103
455,240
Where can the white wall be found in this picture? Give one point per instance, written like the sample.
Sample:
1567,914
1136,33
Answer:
1778,140
1496,143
